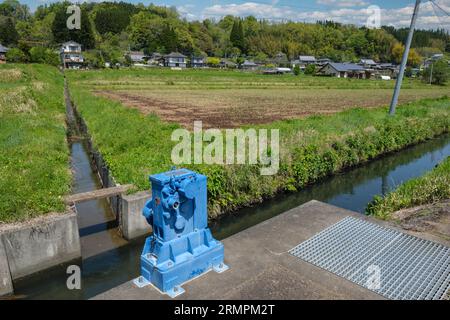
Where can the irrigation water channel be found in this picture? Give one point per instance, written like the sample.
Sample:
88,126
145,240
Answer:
108,260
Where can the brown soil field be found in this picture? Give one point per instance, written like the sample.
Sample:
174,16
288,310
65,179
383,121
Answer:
230,108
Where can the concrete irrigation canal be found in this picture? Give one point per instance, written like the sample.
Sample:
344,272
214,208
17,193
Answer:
109,262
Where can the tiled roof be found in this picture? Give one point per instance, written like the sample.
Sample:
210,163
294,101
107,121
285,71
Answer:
342,67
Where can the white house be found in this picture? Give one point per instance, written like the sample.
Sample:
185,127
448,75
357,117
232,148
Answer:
175,60
71,55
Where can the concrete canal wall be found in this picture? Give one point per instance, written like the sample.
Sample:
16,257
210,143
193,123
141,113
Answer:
127,208
36,245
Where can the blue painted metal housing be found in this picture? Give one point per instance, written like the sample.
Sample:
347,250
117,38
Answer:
181,246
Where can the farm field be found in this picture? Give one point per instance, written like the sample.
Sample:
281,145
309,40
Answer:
34,157
131,115
229,99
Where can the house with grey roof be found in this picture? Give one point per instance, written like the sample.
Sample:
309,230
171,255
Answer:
3,51
198,62
137,57
175,60
304,61
343,70
249,65
368,63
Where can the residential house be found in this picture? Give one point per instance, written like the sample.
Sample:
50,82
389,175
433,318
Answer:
156,59
387,69
249,65
343,70
175,60
368,63
3,51
71,55
198,62
304,61
137,57
322,61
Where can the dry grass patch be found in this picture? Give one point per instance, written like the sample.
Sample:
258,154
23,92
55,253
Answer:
9,75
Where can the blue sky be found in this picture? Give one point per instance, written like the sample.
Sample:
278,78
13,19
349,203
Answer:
392,12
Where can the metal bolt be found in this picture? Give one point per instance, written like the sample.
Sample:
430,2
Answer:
175,289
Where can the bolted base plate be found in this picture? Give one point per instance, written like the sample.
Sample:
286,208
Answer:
221,268
141,282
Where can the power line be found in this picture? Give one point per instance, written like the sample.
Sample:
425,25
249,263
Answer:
439,7
436,14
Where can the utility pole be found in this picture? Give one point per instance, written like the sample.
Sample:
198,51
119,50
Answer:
398,84
431,73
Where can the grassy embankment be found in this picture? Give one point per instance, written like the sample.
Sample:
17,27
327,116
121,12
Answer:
135,145
430,188
34,158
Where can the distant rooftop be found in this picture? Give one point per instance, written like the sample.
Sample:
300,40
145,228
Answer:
343,67
3,49
71,43
249,63
175,55
307,58
368,62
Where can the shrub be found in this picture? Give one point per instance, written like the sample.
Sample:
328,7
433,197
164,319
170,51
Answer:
44,55
16,55
310,69
440,73
297,70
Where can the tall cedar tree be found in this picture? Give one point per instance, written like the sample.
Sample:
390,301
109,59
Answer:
8,33
237,35
62,34
169,39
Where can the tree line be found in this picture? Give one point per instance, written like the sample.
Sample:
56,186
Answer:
110,28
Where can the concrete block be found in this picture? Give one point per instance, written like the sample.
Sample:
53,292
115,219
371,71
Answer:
6,286
41,243
132,222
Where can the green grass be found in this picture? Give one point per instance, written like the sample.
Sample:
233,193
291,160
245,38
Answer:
135,145
34,157
159,78
430,188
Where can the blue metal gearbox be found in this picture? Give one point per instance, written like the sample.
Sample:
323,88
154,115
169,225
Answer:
181,246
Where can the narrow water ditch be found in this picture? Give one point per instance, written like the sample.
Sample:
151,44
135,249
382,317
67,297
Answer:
108,260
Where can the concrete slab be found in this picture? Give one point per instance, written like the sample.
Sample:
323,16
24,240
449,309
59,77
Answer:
6,286
262,268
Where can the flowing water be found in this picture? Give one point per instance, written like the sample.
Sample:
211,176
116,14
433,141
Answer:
108,260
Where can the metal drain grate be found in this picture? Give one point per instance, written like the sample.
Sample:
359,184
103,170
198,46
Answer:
386,261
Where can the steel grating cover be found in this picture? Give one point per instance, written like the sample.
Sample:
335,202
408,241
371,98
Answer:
386,261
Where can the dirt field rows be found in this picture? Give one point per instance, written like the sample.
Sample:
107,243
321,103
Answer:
229,108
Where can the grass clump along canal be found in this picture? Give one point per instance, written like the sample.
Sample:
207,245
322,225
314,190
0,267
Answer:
136,144
431,188
34,157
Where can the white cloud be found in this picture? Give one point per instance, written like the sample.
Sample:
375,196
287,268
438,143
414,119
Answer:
343,3
398,17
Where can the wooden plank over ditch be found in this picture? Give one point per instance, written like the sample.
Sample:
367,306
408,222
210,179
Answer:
97,194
